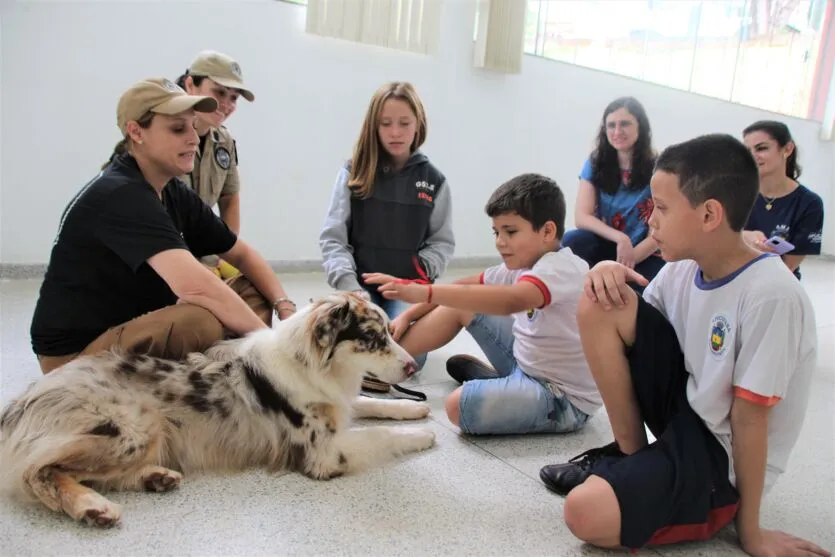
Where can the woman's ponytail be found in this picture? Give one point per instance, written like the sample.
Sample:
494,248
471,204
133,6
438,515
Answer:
120,149
181,81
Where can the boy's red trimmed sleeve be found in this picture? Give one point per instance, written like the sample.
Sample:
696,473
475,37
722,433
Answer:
543,288
754,398
769,350
558,282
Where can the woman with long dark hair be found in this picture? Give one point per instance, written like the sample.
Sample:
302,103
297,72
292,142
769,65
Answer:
785,208
614,201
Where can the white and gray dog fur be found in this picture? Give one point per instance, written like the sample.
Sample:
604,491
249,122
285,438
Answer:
279,399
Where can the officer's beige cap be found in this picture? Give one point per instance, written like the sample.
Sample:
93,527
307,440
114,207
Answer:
159,95
221,69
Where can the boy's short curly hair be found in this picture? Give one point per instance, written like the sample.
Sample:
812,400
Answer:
534,197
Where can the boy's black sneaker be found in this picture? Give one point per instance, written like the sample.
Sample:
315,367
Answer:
466,368
562,478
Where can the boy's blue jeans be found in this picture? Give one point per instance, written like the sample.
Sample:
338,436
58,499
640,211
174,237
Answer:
509,401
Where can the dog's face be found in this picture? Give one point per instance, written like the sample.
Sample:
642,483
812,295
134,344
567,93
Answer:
350,336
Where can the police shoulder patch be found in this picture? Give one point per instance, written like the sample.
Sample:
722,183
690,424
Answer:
223,158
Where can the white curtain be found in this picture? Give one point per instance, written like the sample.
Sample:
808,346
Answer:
500,37
410,25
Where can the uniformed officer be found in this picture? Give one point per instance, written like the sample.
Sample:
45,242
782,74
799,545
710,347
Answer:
124,257
215,175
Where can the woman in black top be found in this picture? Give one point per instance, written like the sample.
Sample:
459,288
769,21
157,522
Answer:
124,272
785,208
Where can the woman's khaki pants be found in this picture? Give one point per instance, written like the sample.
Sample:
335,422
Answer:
171,332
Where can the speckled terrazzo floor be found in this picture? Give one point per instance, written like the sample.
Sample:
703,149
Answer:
464,497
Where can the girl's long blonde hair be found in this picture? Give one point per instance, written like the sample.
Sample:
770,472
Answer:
367,148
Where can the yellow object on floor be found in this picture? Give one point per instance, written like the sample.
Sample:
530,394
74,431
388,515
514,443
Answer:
226,271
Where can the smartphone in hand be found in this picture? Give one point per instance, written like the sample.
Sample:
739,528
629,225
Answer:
779,245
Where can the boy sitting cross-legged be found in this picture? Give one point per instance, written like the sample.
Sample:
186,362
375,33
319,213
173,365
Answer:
522,313
716,358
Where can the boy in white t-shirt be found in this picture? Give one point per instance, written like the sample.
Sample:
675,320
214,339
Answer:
716,359
522,313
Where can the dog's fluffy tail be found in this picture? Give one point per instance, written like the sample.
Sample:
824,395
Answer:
23,458
10,453
21,452
52,426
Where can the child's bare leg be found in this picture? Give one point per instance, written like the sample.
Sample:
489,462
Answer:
453,407
605,336
435,329
592,513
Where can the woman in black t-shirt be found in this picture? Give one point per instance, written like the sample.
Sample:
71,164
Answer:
124,270
784,208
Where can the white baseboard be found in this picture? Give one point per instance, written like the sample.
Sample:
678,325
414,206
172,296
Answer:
36,270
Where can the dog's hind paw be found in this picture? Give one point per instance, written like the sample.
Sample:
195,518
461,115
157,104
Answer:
98,511
161,479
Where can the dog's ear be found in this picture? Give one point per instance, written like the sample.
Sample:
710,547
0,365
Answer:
341,314
331,323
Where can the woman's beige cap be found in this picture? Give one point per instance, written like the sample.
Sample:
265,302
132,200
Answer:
159,95
221,69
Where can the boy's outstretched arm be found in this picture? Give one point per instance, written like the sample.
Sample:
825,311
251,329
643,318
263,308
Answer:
749,427
417,311
479,298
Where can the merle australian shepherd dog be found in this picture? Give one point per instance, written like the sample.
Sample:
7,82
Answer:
278,399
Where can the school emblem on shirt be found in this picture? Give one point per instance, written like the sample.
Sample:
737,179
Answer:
531,313
222,157
426,191
720,333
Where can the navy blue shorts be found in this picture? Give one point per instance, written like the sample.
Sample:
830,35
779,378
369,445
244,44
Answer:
677,488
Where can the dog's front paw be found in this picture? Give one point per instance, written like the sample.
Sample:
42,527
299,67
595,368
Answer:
409,410
419,439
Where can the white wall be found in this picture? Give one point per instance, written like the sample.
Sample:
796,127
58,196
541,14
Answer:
2,12
71,61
